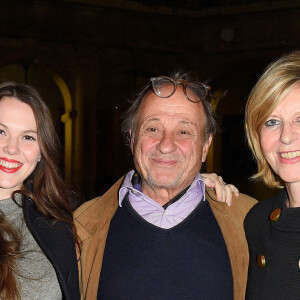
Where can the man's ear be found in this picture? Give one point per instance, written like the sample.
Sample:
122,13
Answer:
131,140
206,147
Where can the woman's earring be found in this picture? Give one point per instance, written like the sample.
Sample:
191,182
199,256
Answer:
39,159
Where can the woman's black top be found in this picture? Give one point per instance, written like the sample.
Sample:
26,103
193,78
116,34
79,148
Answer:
273,234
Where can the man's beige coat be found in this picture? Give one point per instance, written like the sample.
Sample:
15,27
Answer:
92,221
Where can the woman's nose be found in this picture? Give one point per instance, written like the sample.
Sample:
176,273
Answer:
288,134
11,146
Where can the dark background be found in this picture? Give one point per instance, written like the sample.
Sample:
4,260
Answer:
87,57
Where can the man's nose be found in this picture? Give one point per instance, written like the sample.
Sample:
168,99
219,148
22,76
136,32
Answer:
11,146
166,144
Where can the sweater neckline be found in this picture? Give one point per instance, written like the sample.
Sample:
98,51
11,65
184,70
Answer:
141,220
289,219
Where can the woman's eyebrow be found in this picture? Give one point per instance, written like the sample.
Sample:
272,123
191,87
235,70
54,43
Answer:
30,131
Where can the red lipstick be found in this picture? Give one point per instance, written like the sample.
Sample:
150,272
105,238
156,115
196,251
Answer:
4,165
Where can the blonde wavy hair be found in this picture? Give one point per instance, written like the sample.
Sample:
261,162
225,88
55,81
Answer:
275,83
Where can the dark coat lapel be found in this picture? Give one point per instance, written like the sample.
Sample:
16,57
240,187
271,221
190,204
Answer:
58,244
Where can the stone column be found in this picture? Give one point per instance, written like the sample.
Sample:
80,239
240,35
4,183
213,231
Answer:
84,151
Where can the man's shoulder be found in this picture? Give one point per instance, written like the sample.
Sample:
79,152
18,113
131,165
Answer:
239,208
86,207
90,215
243,201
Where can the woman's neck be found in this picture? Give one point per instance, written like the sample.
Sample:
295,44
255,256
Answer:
293,190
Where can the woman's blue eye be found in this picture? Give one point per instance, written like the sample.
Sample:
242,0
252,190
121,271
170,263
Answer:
271,123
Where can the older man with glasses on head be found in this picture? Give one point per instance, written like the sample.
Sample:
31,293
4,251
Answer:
158,233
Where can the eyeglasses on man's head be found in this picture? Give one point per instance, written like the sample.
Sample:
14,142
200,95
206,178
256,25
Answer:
165,87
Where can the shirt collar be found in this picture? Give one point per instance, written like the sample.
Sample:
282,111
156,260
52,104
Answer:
128,187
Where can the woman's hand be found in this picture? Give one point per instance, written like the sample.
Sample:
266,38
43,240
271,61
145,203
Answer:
223,190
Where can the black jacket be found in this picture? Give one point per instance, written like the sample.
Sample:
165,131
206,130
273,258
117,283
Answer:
273,235
58,244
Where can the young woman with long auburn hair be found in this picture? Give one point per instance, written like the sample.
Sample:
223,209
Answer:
37,235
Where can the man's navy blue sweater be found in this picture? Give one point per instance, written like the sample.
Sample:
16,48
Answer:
143,261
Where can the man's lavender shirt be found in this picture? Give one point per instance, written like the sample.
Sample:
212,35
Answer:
153,212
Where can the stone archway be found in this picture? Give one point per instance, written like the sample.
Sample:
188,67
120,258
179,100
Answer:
67,119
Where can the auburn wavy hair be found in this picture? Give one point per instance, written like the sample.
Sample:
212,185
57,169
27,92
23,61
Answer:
45,186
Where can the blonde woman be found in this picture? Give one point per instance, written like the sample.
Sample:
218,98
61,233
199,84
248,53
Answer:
273,226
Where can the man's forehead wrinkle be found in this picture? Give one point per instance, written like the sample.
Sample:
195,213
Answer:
182,120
